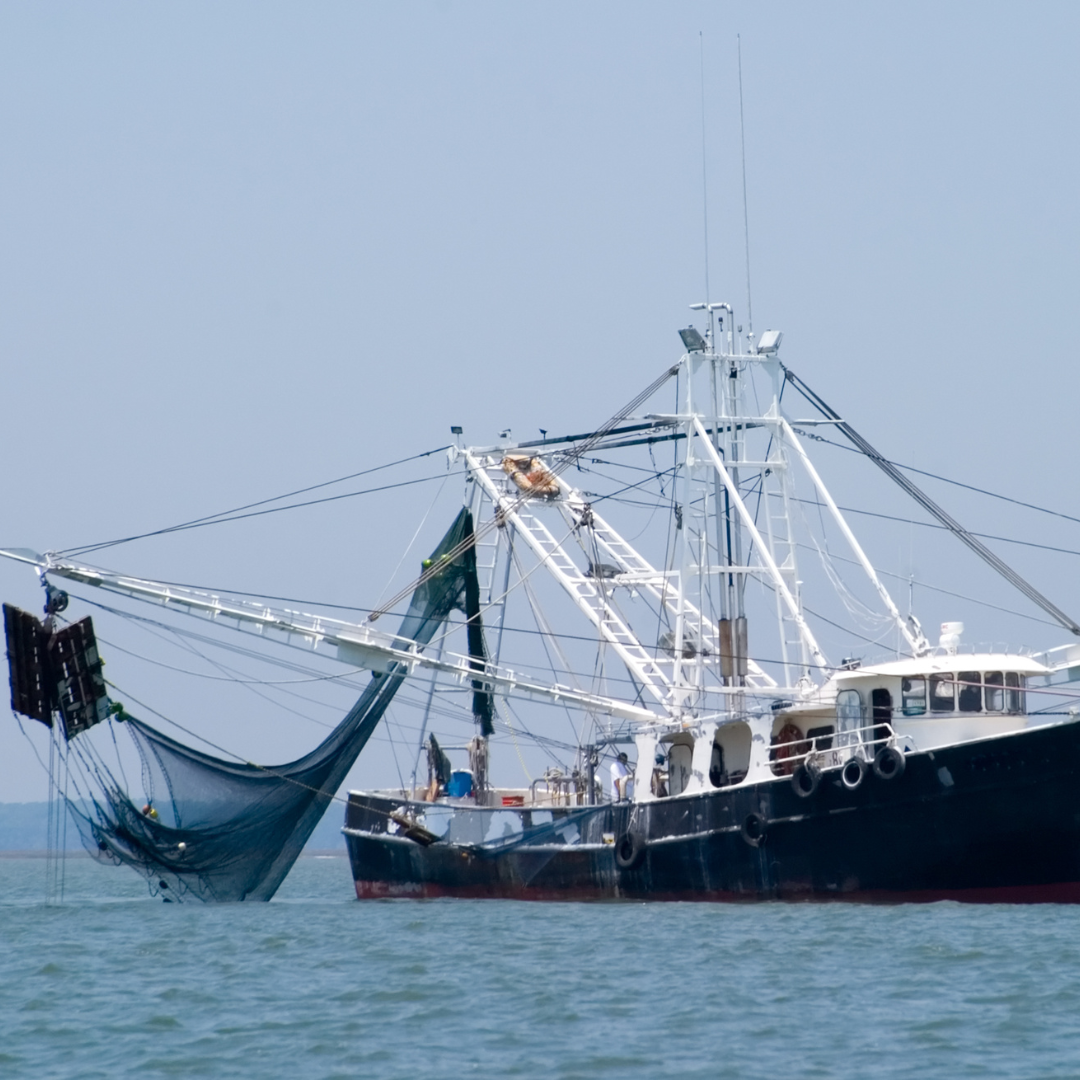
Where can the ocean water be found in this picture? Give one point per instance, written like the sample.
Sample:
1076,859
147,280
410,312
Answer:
113,984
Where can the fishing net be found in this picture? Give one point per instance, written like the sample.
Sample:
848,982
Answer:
218,830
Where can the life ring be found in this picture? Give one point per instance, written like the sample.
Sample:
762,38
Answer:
889,763
630,849
853,773
788,743
753,830
805,779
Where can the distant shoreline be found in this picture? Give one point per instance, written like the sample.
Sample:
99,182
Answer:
79,853
24,832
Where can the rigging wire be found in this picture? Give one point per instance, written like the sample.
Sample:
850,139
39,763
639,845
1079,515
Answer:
704,175
464,715
746,212
905,578
423,522
541,740
935,476
226,515
262,513
944,528
963,535
659,476
342,678
617,497
550,640
566,460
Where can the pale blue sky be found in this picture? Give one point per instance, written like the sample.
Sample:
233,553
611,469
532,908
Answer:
250,247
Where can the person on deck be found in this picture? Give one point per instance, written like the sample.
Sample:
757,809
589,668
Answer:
660,777
622,779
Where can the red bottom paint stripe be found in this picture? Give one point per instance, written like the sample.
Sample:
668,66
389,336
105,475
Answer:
1067,892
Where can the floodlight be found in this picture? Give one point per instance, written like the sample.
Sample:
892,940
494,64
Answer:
455,430
770,342
692,340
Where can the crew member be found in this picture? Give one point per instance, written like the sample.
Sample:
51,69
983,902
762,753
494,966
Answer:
660,776
622,779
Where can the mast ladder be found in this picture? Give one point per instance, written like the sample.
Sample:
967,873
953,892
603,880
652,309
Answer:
645,576
588,593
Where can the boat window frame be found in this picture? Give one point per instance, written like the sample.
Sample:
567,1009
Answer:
912,704
942,678
1015,696
969,692
992,686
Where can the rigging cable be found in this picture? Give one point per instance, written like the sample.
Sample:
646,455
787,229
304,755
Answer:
746,212
932,507
238,512
569,458
944,479
931,525
937,589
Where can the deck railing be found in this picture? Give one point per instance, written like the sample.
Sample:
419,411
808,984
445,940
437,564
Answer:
834,750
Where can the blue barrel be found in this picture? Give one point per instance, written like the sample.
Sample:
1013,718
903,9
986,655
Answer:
460,785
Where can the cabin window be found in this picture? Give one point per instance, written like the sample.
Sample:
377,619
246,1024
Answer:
941,693
1014,692
913,696
970,691
994,692
821,738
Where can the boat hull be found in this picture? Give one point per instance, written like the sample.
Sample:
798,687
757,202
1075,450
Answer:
991,821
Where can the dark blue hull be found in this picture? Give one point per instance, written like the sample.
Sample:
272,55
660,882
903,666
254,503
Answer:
996,820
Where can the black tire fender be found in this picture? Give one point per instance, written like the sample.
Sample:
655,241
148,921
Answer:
853,773
805,779
753,830
889,763
630,849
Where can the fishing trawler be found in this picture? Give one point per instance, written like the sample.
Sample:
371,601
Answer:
922,777
685,761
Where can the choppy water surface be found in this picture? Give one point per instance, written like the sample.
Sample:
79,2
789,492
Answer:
113,984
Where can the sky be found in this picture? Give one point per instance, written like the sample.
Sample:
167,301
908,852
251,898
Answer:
249,248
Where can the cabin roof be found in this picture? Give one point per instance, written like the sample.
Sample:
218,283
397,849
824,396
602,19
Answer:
935,665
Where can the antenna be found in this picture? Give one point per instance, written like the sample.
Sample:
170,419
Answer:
745,213
704,176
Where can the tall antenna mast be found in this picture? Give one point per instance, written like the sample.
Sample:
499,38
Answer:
704,176
745,212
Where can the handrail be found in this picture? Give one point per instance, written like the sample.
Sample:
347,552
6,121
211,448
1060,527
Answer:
861,742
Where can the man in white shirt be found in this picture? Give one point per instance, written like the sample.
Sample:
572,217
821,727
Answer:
622,779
